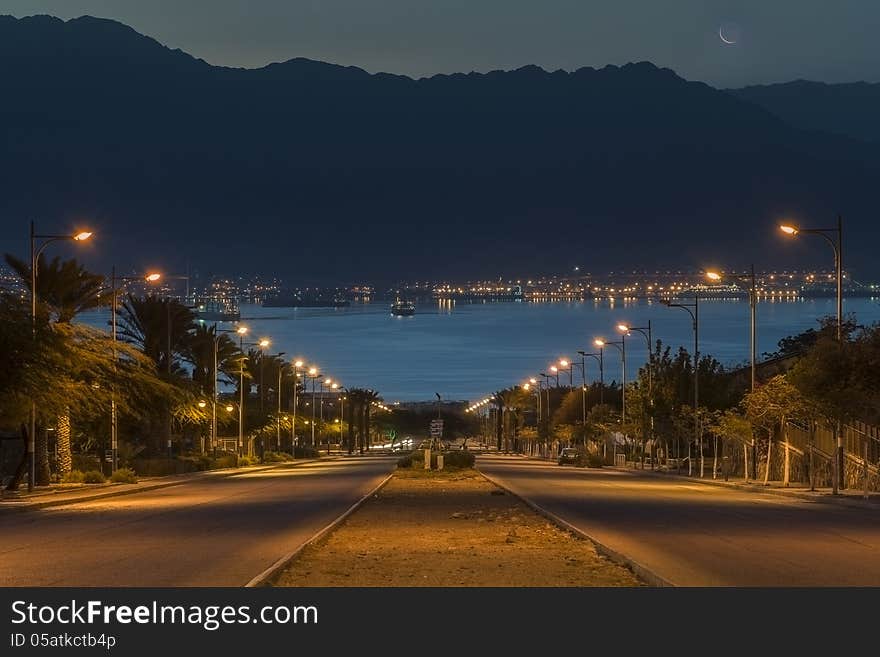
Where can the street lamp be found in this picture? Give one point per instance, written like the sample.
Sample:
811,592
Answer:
297,366
36,252
753,302
313,374
114,304
625,329
695,317
555,371
620,345
278,413
837,247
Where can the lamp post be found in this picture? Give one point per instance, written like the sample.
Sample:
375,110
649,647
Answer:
555,371
297,365
837,248
600,358
36,252
695,317
114,305
278,412
753,302
646,333
313,375
583,367
620,345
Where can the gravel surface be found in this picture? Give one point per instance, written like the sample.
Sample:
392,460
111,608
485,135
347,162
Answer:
451,528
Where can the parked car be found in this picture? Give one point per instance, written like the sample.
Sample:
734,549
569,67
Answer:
568,455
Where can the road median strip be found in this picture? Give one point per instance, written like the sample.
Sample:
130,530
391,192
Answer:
646,574
268,576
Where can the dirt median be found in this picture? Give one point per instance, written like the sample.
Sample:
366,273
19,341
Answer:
451,528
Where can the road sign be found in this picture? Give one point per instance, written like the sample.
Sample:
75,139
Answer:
436,428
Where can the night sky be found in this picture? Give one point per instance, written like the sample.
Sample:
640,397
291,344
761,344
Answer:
776,40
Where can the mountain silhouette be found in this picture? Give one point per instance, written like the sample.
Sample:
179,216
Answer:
847,109
319,172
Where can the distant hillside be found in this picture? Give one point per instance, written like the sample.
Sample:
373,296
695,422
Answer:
307,169
851,109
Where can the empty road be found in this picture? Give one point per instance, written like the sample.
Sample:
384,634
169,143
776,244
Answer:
697,535
215,531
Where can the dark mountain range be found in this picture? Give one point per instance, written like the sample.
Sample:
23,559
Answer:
850,109
316,171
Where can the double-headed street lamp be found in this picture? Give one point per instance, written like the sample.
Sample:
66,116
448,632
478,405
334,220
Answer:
278,412
693,309
600,358
36,252
262,344
837,247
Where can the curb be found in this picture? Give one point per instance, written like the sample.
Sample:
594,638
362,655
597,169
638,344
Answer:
225,472
645,574
266,577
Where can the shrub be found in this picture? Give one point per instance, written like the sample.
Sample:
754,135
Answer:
589,460
73,477
405,461
245,461
275,457
84,462
305,452
124,476
94,477
458,459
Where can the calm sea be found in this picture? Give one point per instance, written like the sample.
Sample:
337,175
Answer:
463,351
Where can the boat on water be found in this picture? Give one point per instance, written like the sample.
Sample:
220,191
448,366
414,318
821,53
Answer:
403,308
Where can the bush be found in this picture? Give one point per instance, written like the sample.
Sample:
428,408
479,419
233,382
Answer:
458,459
305,452
405,461
245,461
84,462
276,457
73,477
94,477
589,460
124,476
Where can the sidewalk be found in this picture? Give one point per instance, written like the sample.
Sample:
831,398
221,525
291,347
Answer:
850,497
60,494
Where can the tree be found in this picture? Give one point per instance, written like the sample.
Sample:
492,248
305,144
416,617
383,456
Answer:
161,328
732,425
64,289
69,366
769,407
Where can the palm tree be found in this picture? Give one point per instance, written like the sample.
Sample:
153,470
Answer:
64,289
198,351
161,328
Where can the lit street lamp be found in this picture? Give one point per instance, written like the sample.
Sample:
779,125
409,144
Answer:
695,316
753,302
114,304
36,252
625,329
620,345
837,247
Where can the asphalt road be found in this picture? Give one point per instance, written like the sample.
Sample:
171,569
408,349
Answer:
692,534
211,532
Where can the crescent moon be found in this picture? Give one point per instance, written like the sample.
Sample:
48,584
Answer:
721,34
